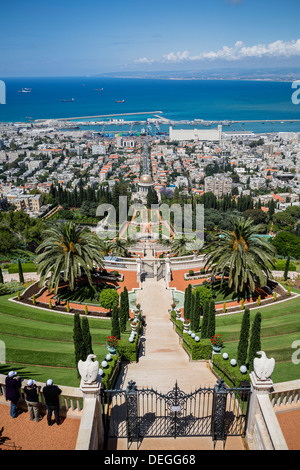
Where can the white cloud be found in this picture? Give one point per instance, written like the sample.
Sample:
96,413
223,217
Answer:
239,51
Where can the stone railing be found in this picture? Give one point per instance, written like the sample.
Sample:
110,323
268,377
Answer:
70,398
263,429
285,393
267,432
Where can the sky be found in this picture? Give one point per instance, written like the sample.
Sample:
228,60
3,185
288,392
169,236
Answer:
82,38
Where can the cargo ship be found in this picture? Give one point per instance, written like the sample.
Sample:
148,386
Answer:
120,101
67,101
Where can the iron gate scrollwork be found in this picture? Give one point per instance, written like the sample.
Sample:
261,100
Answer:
216,412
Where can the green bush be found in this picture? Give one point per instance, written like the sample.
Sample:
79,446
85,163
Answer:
198,350
128,351
231,375
108,372
9,288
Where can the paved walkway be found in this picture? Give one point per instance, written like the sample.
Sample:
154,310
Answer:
162,363
163,360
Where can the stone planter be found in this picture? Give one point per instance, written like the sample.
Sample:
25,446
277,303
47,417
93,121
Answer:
111,349
216,349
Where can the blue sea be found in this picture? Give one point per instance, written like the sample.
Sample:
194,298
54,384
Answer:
177,99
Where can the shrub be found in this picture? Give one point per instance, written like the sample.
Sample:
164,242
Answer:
9,288
198,350
232,376
191,272
129,351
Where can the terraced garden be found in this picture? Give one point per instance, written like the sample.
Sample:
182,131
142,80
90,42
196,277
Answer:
280,327
39,344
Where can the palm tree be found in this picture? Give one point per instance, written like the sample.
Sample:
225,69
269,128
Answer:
67,249
180,246
119,247
241,255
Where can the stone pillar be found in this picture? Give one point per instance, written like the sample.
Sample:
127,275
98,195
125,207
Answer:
138,271
261,384
258,387
168,271
91,401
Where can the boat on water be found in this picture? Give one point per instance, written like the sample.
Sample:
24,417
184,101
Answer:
25,90
120,101
67,101
98,89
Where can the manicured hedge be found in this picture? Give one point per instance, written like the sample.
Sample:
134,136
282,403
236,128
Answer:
198,350
109,372
128,351
231,375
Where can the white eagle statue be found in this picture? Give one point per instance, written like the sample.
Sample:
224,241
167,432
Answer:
263,367
89,369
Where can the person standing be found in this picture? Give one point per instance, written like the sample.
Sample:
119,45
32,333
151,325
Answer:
13,385
51,394
32,400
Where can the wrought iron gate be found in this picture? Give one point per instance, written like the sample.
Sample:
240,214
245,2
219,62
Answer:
135,413
147,270
160,272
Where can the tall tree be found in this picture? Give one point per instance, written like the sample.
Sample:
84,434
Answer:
255,342
286,269
197,312
241,255
205,319
188,302
70,250
115,325
80,352
244,339
211,324
86,336
123,312
20,269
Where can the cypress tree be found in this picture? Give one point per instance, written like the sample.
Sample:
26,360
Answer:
1,276
244,339
188,303
287,267
211,324
115,325
86,336
126,303
197,312
20,269
80,353
123,312
192,310
255,343
205,319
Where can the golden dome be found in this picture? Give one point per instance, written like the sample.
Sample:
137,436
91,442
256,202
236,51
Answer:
145,179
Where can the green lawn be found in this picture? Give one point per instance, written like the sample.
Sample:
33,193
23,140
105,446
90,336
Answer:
280,326
39,344
29,267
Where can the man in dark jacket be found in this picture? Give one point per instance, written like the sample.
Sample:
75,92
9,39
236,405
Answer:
13,386
51,394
